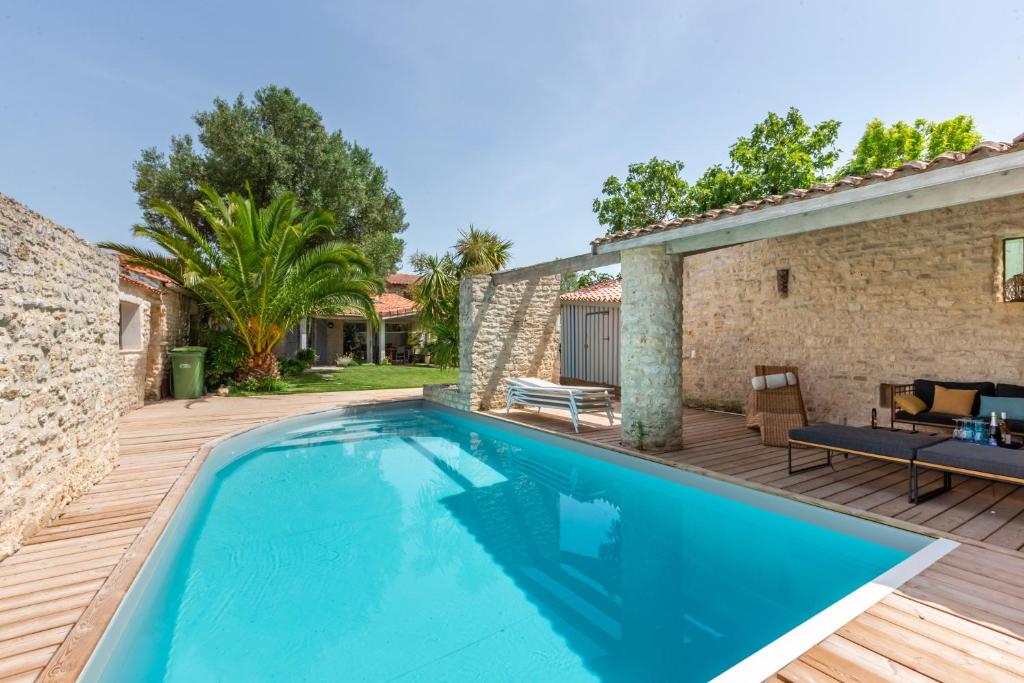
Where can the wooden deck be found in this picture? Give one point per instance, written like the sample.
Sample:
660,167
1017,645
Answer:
961,620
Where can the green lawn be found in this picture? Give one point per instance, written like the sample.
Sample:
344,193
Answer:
356,377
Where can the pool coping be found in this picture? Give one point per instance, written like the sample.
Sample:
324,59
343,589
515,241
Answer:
80,643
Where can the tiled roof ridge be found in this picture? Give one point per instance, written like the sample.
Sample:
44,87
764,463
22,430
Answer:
607,291
982,150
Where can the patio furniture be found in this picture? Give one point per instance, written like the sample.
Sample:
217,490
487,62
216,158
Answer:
924,389
775,411
970,459
881,444
531,391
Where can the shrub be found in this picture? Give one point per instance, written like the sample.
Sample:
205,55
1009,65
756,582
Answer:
225,354
344,361
306,356
258,385
290,367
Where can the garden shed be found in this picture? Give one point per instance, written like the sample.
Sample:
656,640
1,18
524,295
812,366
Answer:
590,334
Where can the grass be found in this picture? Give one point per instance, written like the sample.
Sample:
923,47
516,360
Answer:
360,377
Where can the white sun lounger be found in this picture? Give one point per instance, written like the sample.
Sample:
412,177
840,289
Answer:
531,391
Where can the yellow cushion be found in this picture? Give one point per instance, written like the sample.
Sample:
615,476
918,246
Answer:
909,403
953,401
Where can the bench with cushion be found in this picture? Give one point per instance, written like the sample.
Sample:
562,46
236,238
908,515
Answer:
924,389
975,460
882,444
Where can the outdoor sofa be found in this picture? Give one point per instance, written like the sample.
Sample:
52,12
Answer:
539,393
924,389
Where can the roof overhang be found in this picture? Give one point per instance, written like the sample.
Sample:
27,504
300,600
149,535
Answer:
991,178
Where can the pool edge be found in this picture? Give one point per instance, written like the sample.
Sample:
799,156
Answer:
79,645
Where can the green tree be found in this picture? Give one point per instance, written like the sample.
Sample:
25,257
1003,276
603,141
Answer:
652,192
272,145
257,271
585,278
437,291
782,152
891,146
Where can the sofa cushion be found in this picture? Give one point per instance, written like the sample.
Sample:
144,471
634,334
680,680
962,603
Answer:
865,440
1010,390
1013,407
927,417
924,389
908,403
974,457
954,401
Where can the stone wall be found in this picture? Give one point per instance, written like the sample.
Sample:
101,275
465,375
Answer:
652,400
58,361
508,330
445,394
881,301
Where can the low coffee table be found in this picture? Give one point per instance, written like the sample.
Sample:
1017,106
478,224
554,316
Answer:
971,459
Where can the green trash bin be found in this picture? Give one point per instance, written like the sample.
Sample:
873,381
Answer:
187,371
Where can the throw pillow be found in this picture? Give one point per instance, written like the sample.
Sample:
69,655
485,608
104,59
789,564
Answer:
909,403
1013,407
953,401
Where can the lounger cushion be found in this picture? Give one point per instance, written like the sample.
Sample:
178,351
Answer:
928,417
985,459
924,389
865,440
1010,390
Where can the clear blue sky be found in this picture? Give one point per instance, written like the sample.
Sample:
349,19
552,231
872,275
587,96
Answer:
507,115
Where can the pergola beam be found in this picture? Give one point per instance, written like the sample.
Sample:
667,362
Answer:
571,264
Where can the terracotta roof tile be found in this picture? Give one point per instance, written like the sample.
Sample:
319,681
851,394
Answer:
401,278
980,151
390,305
160,277
608,292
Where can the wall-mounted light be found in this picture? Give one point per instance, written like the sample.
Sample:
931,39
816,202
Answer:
782,281
330,324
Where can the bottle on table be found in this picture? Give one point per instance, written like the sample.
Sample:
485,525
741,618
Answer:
1005,438
993,431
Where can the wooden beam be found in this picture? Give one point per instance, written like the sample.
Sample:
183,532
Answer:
571,264
997,176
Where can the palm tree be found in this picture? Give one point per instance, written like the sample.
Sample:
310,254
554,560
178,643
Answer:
437,292
261,271
481,251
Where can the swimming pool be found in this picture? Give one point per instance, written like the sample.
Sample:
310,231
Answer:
417,544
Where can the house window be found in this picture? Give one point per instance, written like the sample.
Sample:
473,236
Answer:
131,326
1013,269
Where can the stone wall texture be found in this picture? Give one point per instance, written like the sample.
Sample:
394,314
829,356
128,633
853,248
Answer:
445,394
143,373
651,348
878,302
58,362
508,330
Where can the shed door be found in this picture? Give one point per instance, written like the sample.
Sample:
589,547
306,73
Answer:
596,346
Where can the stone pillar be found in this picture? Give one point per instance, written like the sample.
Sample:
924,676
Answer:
303,334
652,348
381,345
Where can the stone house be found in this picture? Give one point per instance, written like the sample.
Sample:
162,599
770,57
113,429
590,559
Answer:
155,315
869,281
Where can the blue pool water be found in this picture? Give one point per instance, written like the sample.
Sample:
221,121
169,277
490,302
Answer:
414,545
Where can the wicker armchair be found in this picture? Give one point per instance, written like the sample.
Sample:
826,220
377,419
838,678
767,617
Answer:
776,411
